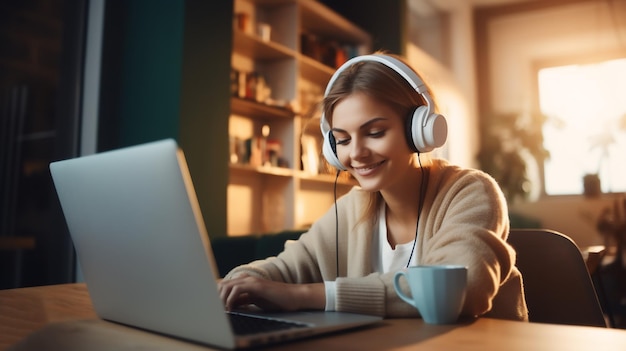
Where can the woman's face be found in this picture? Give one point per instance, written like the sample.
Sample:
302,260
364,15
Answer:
371,142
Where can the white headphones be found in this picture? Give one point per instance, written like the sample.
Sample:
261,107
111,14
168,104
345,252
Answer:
425,130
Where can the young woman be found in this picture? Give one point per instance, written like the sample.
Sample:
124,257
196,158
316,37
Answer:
377,119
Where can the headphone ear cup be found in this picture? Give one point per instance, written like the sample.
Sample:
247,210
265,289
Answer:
426,131
329,149
435,132
414,129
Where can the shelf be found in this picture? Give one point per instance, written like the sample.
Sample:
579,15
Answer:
326,178
314,71
263,170
322,21
252,46
258,110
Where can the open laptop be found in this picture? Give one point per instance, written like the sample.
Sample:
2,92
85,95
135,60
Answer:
144,251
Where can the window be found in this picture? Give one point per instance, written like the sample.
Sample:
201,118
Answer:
585,131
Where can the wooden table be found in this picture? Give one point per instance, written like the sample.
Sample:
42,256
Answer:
61,317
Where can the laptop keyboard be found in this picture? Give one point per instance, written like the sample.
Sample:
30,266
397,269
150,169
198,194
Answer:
245,324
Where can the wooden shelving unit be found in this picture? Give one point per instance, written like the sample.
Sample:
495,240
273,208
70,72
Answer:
264,197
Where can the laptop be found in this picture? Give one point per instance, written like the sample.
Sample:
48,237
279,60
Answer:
145,255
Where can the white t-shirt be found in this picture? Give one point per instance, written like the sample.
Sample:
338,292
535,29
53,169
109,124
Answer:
384,258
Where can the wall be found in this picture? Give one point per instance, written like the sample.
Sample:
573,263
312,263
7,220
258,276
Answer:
451,102
140,72
517,42
384,20
443,32
166,74
572,215
514,44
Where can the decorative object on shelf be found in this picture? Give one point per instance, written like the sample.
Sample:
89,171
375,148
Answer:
256,152
327,51
509,143
242,22
250,85
591,185
233,149
604,141
264,31
309,97
274,154
310,154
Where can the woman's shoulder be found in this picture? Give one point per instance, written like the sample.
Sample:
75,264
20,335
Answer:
442,168
466,187
447,175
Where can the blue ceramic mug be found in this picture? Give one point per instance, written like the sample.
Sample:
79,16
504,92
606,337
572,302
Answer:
438,292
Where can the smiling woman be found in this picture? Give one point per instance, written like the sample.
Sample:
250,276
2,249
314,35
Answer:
586,128
378,117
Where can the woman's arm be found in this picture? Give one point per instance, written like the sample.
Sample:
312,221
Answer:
464,221
468,225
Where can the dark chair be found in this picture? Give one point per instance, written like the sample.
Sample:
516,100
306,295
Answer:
557,284
232,251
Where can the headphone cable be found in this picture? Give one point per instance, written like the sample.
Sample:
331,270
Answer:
336,228
419,207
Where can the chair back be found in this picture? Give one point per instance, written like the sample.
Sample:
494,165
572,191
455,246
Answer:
557,284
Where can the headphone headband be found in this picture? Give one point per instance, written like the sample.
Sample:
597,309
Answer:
386,60
398,66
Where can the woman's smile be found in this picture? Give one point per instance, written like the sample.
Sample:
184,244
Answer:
367,169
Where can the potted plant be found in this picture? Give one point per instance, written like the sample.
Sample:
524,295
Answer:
602,142
509,143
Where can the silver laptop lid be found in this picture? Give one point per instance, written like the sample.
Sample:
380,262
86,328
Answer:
131,212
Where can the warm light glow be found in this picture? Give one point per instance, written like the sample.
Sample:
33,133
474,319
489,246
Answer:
586,127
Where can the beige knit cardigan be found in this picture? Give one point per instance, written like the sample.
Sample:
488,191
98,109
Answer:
464,221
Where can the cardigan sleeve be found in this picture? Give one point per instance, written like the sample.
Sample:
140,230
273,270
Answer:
310,259
464,221
467,223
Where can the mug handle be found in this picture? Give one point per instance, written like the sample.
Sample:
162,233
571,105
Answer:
396,286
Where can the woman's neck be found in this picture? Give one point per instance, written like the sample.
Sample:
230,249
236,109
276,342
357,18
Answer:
402,208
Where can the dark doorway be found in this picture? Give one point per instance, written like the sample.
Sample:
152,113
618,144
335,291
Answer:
41,46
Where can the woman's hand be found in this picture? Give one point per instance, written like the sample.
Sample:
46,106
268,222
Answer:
270,295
